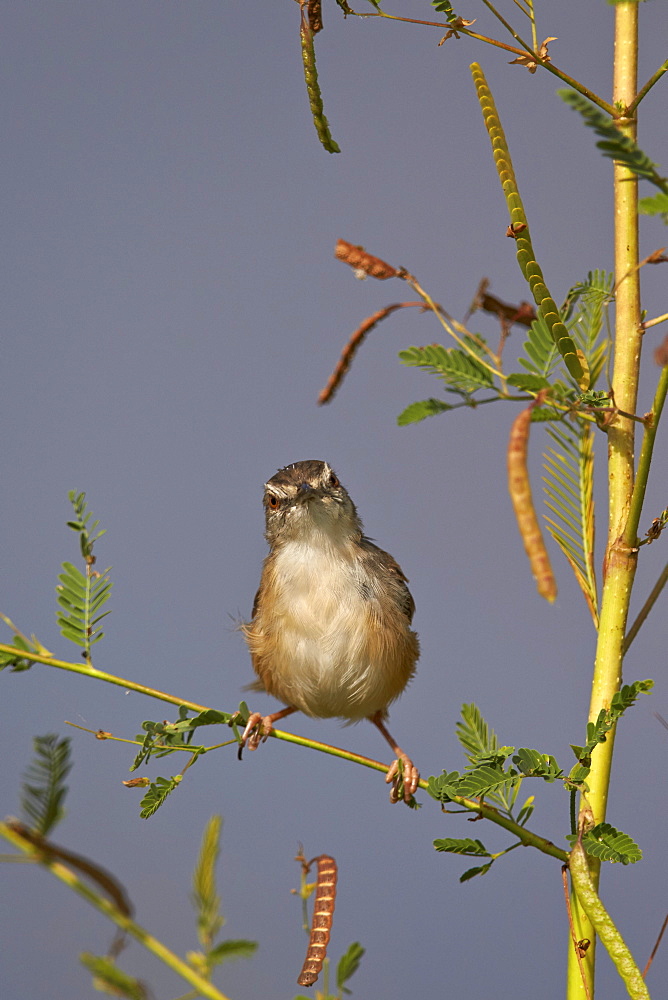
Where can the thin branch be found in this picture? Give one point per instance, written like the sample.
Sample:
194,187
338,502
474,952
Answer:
655,948
646,608
549,66
484,810
644,462
643,92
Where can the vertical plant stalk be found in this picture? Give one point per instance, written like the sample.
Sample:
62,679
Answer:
621,553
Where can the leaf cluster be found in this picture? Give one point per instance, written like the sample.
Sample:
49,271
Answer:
603,841
597,732
160,739
488,776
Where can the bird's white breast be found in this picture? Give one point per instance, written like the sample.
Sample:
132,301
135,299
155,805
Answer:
330,657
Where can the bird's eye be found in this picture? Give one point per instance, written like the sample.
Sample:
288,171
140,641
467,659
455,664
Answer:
274,502
333,481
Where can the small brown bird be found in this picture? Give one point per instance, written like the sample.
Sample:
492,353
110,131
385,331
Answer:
330,634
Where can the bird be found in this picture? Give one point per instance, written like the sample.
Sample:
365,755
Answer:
330,634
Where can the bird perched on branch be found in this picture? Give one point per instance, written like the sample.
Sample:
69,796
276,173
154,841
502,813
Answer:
331,630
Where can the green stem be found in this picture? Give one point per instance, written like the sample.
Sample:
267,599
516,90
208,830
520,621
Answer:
604,926
101,675
527,838
66,875
621,556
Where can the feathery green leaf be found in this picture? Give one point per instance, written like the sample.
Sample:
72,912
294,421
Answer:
108,978
44,789
156,795
348,965
569,487
420,410
614,143
656,205
460,371
205,897
231,949
609,844
463,845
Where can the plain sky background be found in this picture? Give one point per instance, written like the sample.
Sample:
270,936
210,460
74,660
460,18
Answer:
171,308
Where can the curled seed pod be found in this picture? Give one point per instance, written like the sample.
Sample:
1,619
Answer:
520,494
360,260
350,349
314,9
321,923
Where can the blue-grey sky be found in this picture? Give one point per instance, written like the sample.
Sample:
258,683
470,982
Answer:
171,308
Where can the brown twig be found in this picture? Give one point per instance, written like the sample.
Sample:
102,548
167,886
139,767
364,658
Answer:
353,344
580,946
655,948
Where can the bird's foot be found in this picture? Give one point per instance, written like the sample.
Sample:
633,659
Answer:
258,729
404,777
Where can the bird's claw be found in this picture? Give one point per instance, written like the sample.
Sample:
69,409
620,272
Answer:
258,729
404,777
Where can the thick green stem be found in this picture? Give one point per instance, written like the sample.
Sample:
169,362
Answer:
621,554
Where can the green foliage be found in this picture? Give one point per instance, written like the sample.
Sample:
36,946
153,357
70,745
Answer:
108,978
597,731
444,7
615,144
657,205
157,793
465,845
420,410
162,738
534,764
230,950
529,383
44,790
22,644
478,740
207,905
541,350
584,312
205,897
80,596
608,844
348,965
569,490
486,776
88,533
472,872
461,372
